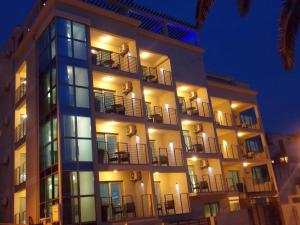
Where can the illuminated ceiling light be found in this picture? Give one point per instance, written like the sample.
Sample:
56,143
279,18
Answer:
234,105
151,130
147,92
240,134
183,88
156,173
186,122
112,123
209,169
93,51
115,171
194,158
24,116
106,38
245,164
144,55
108,78
198,100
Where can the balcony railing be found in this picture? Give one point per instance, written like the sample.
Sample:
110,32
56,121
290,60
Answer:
20,218
124,207
203,145
167,157
194,108
156,75
207,183
172,204
230,151
224,119
254,185
234,185
121,153
159,115
20,92
20,131
253,123
118,104
254,153
113,60
20,174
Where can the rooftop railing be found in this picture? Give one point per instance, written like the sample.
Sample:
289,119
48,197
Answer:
202,145
122,153
113,60
121,105
167,157
157,75
194,108
158,114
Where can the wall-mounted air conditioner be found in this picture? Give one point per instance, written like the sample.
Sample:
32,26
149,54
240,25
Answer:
131,130
135,176
127,87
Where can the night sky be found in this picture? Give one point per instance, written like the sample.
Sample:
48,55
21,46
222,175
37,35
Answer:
242,48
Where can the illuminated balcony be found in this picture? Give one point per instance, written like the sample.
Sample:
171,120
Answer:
228,143
114,52
160,106
199,137
165,146
156,68
20,207
193,100
117,95
222,112
20,92
125,195
246,115
205,175
171,194
20,165
120,143
20,123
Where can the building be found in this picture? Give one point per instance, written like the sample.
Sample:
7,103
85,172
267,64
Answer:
108,116
285,155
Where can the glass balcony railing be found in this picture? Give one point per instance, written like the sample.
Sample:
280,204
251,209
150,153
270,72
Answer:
172,204
124,207
223,119
158,114
157,75
229,151
20,131
20,174
121,153
194,108
121,105
167,157
113,60
20,92
207,183
202,145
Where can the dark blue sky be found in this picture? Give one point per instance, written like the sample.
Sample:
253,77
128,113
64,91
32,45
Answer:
243,48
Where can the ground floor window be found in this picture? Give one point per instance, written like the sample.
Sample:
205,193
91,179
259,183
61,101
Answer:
211,209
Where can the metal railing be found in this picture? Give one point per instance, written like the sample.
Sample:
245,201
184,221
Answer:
207,183
20,218
113,60
223,119
173,204
203,145
156,75
20,174
20,131
234,185
230,151
167,157
194,108
20,92
124,207
254,123
254,153
159,115
254,185
121,153
118,104
200,221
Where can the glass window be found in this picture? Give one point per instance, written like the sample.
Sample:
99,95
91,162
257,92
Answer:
82,98
73,183
65,47
80,51
87,209
84,127
81,77
69,153
86,183
79,31
85,152
49,187
71,214
64,28
69,126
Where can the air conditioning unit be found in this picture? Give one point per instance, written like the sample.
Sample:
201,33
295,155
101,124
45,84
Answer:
193,95
124,49
127,88
198,128
135,176
203,164
131,130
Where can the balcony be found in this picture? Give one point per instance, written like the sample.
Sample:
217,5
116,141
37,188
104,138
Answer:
167,157
157,75
234,185
251,123
254,185
121,105
20,218
223,119
20,92
20,131
207,183
122,153
202,145
229,151
194,108
20,174
158,114
171,204
254,153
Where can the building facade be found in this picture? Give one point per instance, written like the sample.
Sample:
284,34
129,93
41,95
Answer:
108,117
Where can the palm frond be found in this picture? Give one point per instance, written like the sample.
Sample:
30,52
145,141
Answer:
288,29
244,6
203,7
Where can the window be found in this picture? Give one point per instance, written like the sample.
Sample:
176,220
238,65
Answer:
254,144
234,204
71,39
260,174
211,209
248,117
76,85
77,139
